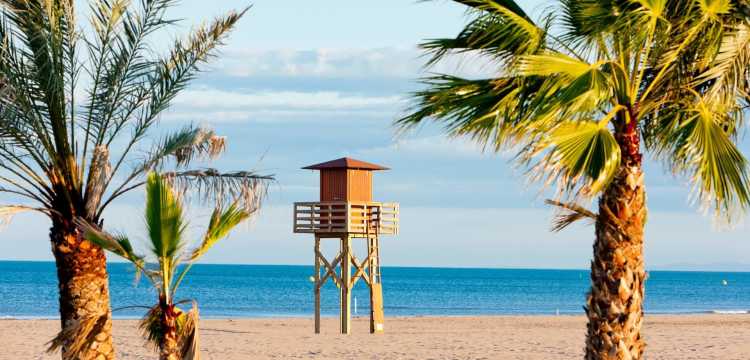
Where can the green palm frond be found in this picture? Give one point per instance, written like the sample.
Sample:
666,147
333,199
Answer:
718,168
164,221
493,5
490,111
714,8
117,244
222,222
121,65
584,94
726,74
170,76
552,63
572,88
501,29
580,154
638,62
588,19
55,143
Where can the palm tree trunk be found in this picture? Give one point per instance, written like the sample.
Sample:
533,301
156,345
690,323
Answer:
84,294
169,348
615,302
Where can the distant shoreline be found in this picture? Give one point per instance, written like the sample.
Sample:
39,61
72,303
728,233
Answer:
301,317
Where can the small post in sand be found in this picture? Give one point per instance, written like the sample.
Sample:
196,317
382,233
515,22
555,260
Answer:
346,212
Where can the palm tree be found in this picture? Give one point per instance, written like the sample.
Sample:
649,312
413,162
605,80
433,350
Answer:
579,94
171,329
76,111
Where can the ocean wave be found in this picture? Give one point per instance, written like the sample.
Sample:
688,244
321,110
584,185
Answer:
28,317
730,312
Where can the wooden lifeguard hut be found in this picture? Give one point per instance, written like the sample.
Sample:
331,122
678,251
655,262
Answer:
346,212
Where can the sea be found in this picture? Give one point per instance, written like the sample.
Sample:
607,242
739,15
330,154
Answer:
29,290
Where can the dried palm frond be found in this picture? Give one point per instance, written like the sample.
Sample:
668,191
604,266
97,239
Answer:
205,144
150,326
98,178
245,187
189,335
82,332
7,212
568,214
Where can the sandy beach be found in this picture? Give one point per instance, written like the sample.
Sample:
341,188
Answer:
681,337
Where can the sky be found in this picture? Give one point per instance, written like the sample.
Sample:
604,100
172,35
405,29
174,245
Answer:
305,82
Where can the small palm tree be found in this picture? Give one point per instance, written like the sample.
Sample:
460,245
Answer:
78,112
171,329
580,93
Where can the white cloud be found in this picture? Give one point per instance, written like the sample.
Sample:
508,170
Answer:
438,146
215,98
357,63
216,105
395,62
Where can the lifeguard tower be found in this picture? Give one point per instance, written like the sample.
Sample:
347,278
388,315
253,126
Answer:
346,212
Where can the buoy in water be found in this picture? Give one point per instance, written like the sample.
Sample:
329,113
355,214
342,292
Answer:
724,282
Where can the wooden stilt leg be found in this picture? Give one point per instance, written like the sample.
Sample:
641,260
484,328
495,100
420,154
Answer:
317,285
346,294
376,289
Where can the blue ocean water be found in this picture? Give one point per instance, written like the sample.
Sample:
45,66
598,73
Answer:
29,289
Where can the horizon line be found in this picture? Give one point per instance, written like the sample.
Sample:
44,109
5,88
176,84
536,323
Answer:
660,268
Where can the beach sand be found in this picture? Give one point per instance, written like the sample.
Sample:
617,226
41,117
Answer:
682,337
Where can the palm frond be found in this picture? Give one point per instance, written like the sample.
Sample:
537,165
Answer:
78,336
727,73
43,31
501,30
7,212
169,76
189,334
568,214
552,63
122,67
493,6
99,176
638,62
183,146
173,73
247,188
150,326
490,111
588,19
581,154
117,244
706,151
221,223
164,221
571,86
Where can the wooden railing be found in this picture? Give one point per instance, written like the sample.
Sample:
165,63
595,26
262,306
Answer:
346,217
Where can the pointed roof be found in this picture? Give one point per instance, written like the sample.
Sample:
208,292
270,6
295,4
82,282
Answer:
346,163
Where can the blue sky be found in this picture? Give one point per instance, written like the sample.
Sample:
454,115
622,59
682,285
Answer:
302,84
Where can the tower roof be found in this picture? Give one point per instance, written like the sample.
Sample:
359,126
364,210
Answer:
346,163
